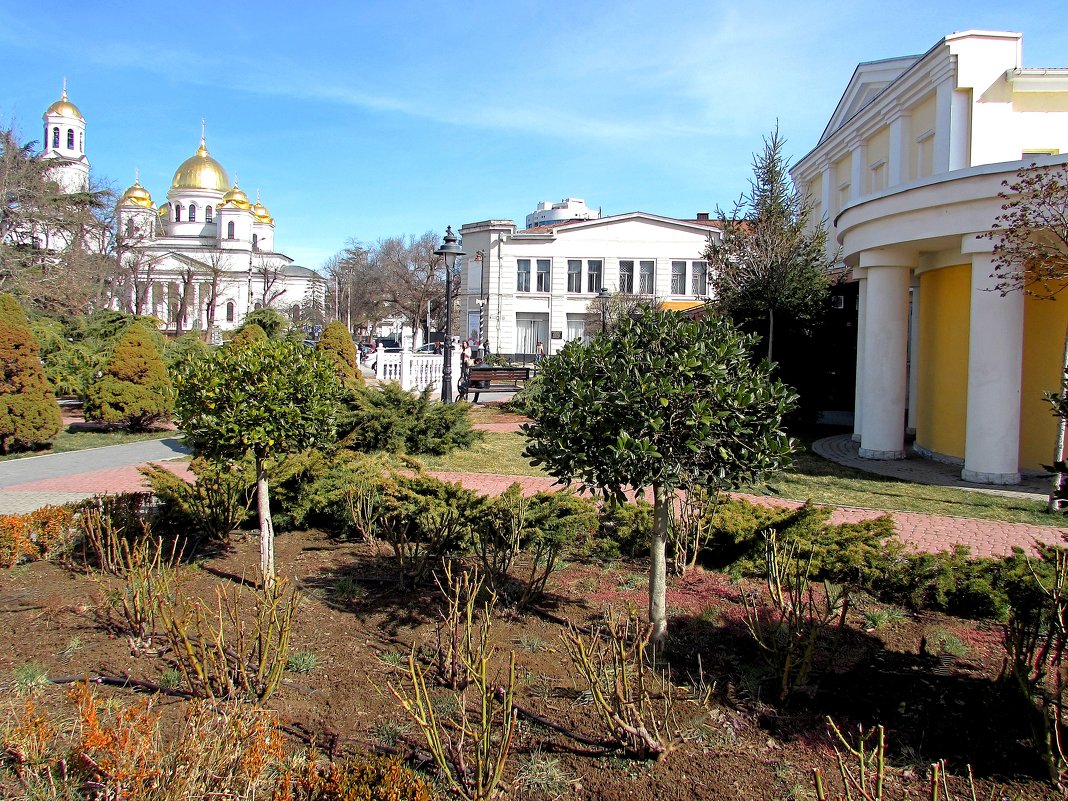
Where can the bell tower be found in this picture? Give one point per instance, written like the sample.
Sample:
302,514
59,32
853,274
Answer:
64,145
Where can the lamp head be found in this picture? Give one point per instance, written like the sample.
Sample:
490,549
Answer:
449,248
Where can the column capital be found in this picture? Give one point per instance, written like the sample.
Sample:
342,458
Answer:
888,257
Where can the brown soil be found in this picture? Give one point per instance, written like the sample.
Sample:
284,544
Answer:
748,748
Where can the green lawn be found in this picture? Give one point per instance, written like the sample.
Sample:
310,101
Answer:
80,440
810,477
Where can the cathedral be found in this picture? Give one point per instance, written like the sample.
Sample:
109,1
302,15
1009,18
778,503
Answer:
201,260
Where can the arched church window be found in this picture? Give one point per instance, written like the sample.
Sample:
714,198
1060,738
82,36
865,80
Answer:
258,305
230,230
207,214
70,139
230,312
81,143
177,212
192,212
255,241
55,137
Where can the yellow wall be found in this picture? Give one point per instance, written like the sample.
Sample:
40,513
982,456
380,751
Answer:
942,389
923,120
1044,327
878,151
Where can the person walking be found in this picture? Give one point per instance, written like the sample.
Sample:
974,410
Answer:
465,360
539,353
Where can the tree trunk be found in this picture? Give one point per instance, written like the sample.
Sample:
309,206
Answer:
1058,449
662,508
263,505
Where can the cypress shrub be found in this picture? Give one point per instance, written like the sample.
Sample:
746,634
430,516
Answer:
134,390
29,413
336,345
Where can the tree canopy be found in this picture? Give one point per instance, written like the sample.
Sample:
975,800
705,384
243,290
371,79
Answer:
772,257
267,398
664,402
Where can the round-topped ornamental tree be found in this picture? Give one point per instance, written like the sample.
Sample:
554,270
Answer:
336,344
659,402
268,398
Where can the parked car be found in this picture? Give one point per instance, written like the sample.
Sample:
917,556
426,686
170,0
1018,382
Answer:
429,347
390,345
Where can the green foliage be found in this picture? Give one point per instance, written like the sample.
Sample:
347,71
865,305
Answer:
250,332
271,321
660,400
212,506
189,345
267,398
543,527
425,520
526,399
336,343
29,414
390,419
624,529
326,491
134,391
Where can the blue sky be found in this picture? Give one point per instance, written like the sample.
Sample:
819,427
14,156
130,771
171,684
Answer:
365,119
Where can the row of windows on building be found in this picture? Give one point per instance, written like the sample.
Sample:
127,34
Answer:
696,271
70,140
191,216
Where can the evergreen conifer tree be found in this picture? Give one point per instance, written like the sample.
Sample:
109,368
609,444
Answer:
134,390
247,334
336,345
29,414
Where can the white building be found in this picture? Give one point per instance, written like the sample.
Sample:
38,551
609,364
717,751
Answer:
521,287
570,208
908,173
207,244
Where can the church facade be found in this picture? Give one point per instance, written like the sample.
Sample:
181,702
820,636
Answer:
203,258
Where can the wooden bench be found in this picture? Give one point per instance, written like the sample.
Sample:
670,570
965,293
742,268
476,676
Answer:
493,379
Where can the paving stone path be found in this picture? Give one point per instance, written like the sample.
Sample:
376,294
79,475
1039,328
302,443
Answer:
115,471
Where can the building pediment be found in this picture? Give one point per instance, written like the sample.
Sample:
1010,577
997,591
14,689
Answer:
868,82
558,230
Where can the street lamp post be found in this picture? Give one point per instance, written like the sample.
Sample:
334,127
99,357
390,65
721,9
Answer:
604,296
449,250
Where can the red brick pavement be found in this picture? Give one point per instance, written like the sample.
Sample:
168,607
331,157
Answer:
919,531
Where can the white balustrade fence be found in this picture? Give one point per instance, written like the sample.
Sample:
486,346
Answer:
414,371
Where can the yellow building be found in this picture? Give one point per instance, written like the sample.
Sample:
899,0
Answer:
907,174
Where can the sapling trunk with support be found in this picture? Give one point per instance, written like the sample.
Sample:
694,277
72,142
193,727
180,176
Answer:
263,506
663,501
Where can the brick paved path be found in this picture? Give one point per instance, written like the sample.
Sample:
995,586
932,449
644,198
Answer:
919,531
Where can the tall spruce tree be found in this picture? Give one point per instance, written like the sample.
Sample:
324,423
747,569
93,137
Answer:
29,414
770,260
134,390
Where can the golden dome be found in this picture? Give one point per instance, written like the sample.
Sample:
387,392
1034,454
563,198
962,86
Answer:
136,195
65,107
261,213
201,172
236,198
164,210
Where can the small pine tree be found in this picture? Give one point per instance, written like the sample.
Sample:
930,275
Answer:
336,345
134,390
29,414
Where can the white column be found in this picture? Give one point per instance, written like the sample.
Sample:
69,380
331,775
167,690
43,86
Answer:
898,167
995,367
885,342
914,355
858,401
380,362
859,164
406,368
952,109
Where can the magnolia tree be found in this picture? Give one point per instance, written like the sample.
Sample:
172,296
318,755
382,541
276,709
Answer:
1031,255
659,402
267,398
